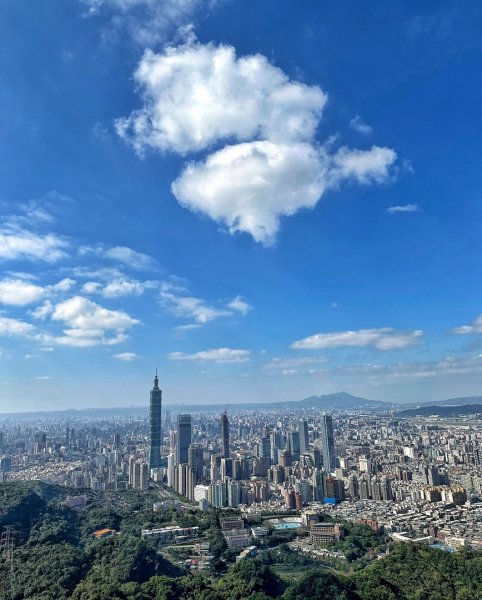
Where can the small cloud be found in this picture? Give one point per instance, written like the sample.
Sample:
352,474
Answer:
383,338
358,124
239,305
191,307
188,327
217,355
474,327
43,378
121,254
126,356
404,208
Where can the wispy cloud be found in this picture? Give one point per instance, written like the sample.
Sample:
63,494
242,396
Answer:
14,327
146,22
121,254
404,208
295,363
119,287
383,338
239,305
216,355
358,124
21,244
474,327
126,356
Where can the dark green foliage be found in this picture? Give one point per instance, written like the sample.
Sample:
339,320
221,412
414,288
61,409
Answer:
56,557
321,585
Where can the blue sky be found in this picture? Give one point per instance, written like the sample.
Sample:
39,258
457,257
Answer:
264,200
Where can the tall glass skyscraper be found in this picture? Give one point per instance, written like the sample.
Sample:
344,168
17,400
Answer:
224,435
155,422
184,430
329,457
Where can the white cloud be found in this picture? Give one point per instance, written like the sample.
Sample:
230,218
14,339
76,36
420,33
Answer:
17,243
217,355
415,371
64,285
43,311
239,305
119,287
359,125
12,327
90,324
17,292
196,95
43,378
129,257
405,208
188,306
188,327
249,186
91,287
295,363
122,254
147,22
126,356
363,166
475,327
383,338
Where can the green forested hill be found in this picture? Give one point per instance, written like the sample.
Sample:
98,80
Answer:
56,557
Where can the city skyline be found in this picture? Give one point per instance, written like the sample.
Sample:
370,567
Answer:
268,204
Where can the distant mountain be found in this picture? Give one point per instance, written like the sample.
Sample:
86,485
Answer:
442,411
460,401
338,401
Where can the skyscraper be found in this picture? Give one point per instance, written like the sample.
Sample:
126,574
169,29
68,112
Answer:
304,436
224,435
155,419
329,457
183,439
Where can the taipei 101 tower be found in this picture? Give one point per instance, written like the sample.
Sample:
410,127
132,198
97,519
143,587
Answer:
155,420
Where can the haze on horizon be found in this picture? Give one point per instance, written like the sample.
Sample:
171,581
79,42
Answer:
266,203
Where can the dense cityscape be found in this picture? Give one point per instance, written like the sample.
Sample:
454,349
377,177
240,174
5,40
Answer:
416,479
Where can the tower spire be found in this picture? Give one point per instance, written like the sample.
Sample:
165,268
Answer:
156,381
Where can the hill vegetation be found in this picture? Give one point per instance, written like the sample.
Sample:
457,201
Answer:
56,557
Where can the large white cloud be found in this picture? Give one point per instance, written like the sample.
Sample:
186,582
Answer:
196,95
382,338
249,186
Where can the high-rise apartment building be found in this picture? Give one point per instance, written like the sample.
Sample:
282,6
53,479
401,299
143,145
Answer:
224,435
184,433
328,440
155,409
